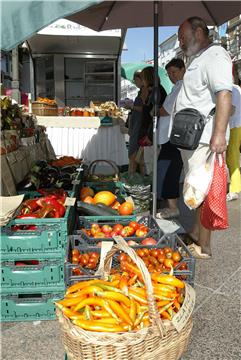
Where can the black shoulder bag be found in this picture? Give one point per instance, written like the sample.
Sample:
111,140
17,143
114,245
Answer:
187,129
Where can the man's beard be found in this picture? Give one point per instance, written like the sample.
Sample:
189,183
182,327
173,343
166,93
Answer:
192,48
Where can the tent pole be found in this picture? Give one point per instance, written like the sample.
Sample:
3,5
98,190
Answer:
155,113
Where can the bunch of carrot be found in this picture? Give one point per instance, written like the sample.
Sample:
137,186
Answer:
120,304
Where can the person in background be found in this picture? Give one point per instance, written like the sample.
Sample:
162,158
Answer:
207,84
233,152
169,160
135,125
147,75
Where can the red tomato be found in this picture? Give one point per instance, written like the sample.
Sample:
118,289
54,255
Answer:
149,241
117,228
141,232
99,234
183,266
75,259
75,252
134,224
154,252
167,250
113,233
176,256
106,229
168,254
124,232
160,251
94,229
94,255
129,230
77,272
168,263
161,258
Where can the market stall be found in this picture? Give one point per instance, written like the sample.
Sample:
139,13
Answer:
86,138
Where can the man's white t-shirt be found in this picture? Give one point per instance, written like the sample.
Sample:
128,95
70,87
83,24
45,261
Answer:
209,72
164,121
235,120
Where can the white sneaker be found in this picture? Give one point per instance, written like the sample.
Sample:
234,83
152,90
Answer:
232,196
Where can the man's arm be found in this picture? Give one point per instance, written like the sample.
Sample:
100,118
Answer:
223,110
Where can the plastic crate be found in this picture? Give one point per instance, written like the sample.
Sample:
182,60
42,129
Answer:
64,224
46,275
168,240
148,221
29,307
48,240
85,221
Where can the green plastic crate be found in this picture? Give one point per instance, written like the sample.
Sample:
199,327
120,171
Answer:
44,276
65,224
48,240
29,307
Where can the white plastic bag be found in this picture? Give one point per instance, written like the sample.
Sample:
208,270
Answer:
197,182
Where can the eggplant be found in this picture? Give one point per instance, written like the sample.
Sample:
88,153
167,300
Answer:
25,184
64,183
68,169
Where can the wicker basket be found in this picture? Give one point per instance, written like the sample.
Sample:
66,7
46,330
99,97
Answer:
92,175
42,109
159,341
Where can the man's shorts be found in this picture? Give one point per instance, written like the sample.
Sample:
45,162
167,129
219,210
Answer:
192,159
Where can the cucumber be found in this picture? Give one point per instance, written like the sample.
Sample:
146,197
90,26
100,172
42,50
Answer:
108,209
95,210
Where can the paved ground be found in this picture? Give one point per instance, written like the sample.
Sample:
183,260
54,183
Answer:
216,332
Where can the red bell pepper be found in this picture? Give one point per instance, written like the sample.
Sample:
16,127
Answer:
29,206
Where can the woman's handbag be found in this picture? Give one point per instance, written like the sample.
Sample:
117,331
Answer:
188,125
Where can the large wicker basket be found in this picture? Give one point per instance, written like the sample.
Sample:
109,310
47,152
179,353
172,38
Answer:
160,341
43,109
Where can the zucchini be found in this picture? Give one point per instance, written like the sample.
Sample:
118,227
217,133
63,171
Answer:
95,210
108,209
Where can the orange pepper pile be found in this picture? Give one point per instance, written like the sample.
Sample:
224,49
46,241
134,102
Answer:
65,160
46,101
120,304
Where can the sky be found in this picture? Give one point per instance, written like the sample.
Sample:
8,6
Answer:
139,42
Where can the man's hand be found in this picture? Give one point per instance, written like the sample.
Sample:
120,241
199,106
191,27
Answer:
218,143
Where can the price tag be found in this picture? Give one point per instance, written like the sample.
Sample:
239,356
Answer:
75,182
69,201
11,158
183,315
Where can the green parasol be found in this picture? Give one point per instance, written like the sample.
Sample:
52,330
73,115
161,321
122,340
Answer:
128,70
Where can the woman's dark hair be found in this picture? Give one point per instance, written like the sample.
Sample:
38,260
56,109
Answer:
176,62
197,22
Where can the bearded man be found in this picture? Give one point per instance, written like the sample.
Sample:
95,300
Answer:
207,84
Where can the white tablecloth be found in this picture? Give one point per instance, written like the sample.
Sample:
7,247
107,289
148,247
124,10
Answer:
91,144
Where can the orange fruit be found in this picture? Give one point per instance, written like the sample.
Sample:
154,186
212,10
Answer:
86,191
88,200
126,208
